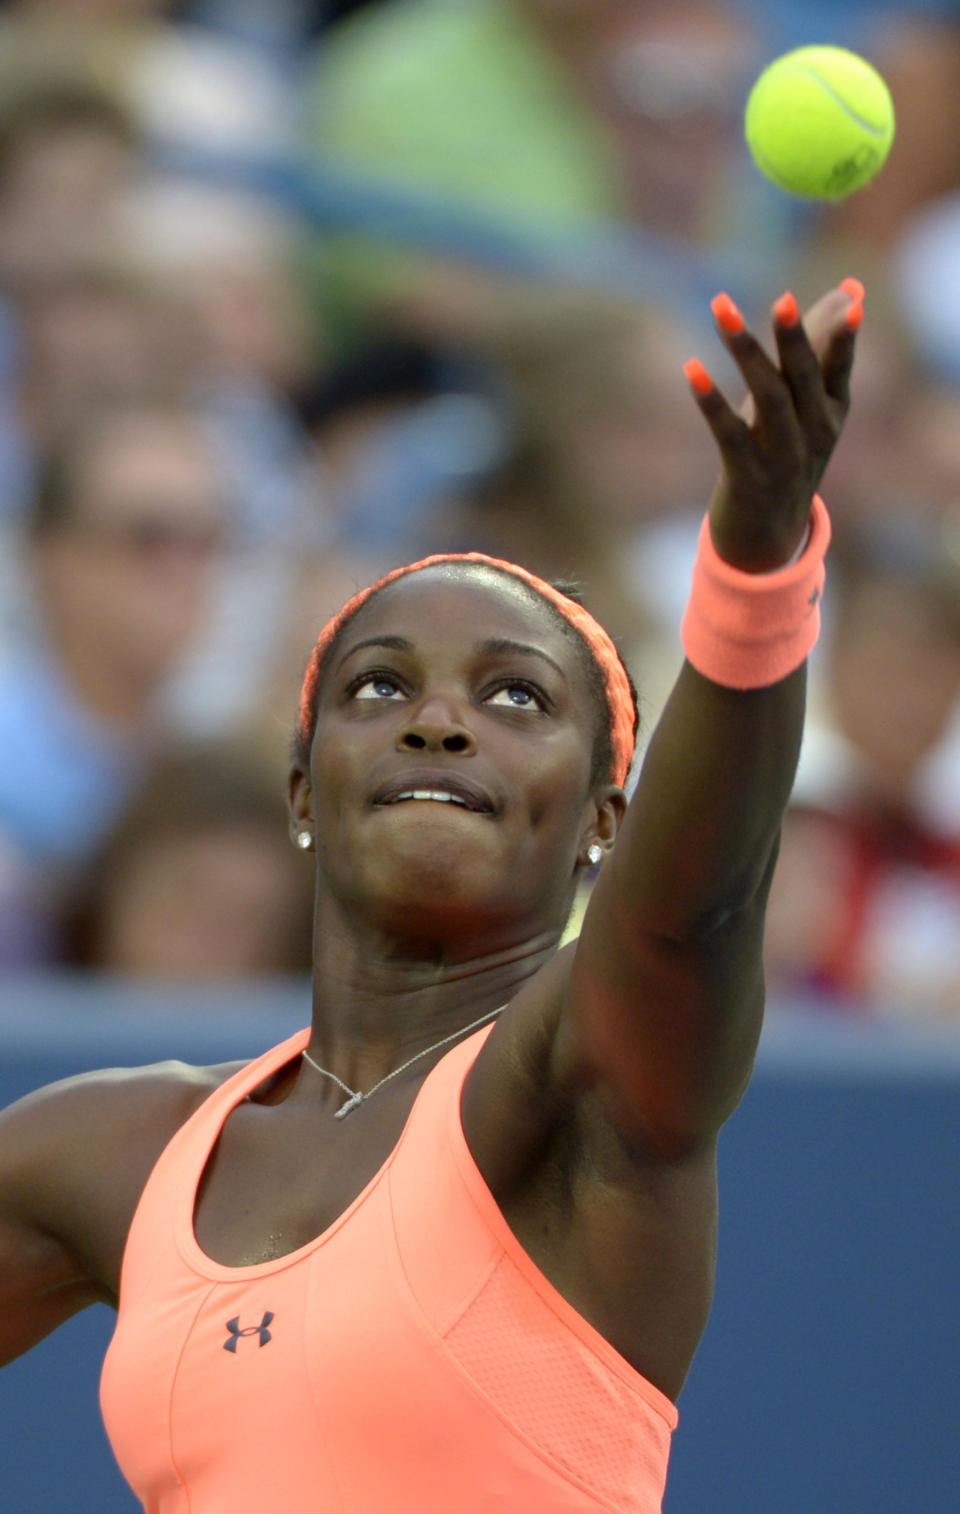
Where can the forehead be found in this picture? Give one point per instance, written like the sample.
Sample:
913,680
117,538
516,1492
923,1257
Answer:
150,461
460,606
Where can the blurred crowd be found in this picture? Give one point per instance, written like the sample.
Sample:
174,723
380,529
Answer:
292,292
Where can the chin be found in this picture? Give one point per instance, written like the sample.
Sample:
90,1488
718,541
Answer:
437,888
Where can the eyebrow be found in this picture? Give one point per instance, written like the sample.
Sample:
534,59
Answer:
493,646
496,644
392,644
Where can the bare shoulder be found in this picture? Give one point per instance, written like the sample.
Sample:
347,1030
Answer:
76,1154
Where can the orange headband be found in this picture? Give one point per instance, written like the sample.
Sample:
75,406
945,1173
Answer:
615,681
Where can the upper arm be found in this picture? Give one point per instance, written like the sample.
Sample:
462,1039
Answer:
42,1279
74,1158
667,1026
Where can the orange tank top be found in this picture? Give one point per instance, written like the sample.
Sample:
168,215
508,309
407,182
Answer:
412,1359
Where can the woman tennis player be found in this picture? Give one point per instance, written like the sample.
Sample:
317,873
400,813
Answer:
450,1249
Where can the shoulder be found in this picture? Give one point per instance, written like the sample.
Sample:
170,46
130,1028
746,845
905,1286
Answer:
512,1100
75,1155
161,1092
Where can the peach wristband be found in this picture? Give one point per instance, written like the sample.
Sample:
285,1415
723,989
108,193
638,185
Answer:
748,630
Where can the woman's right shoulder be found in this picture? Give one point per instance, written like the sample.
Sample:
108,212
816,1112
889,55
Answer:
75,1155
153,1100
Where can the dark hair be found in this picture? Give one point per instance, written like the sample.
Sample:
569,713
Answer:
602,764
59,104
388,371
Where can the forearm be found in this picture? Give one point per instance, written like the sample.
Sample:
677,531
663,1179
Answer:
666,992
699,835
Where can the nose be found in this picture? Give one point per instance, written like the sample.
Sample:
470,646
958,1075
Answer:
436,725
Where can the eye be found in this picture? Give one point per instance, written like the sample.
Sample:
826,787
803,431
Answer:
376,686
518,695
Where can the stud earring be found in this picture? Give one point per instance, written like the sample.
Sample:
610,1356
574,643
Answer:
594,853
304,840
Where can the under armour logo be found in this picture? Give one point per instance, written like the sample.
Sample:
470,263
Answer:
236,1334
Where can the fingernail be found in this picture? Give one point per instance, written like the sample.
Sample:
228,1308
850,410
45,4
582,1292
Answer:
786,309
697,376
726,315
853,288
855,316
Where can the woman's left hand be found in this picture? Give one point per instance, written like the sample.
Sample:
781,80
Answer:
775,449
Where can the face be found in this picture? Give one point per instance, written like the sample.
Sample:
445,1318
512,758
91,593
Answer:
450,770
128,576
86,347
895,675
59,187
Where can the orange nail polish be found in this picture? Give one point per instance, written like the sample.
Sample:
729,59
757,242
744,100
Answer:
726,314
697,376
855,316
787,311
853,288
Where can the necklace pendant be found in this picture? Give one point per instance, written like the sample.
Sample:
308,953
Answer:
348,1106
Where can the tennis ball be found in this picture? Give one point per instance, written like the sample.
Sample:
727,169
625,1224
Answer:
820,122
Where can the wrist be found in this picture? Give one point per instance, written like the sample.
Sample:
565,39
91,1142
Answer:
747,630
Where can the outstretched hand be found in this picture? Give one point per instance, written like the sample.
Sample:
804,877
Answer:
775,449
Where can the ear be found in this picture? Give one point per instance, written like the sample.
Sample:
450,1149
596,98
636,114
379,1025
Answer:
299,802
608,807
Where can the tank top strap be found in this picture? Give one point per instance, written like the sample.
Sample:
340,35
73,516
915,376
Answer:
170,1191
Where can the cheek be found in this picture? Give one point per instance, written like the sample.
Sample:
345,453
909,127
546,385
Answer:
557,796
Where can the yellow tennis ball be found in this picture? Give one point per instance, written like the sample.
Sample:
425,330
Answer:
820,122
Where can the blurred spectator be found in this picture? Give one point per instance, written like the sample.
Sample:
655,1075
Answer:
220,265
120,543
402,432
184,84
88,339
918,52
866,901
93,337
926,264
557,118
67,150
199,881
605,442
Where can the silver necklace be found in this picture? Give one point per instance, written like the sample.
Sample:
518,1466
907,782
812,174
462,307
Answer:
361,1098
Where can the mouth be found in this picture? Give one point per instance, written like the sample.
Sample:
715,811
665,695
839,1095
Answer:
434,789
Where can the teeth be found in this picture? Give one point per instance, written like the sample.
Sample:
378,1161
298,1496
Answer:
439,794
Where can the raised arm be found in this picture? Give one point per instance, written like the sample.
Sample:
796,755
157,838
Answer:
666,992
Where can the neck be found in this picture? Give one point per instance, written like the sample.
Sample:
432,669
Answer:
376,1003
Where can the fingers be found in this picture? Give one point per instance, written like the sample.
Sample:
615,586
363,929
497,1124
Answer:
729,429
772,402
760,372
800,367
829,314
815,359
836,363
832,325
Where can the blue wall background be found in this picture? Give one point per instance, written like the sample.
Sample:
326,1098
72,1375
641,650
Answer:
829,1378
